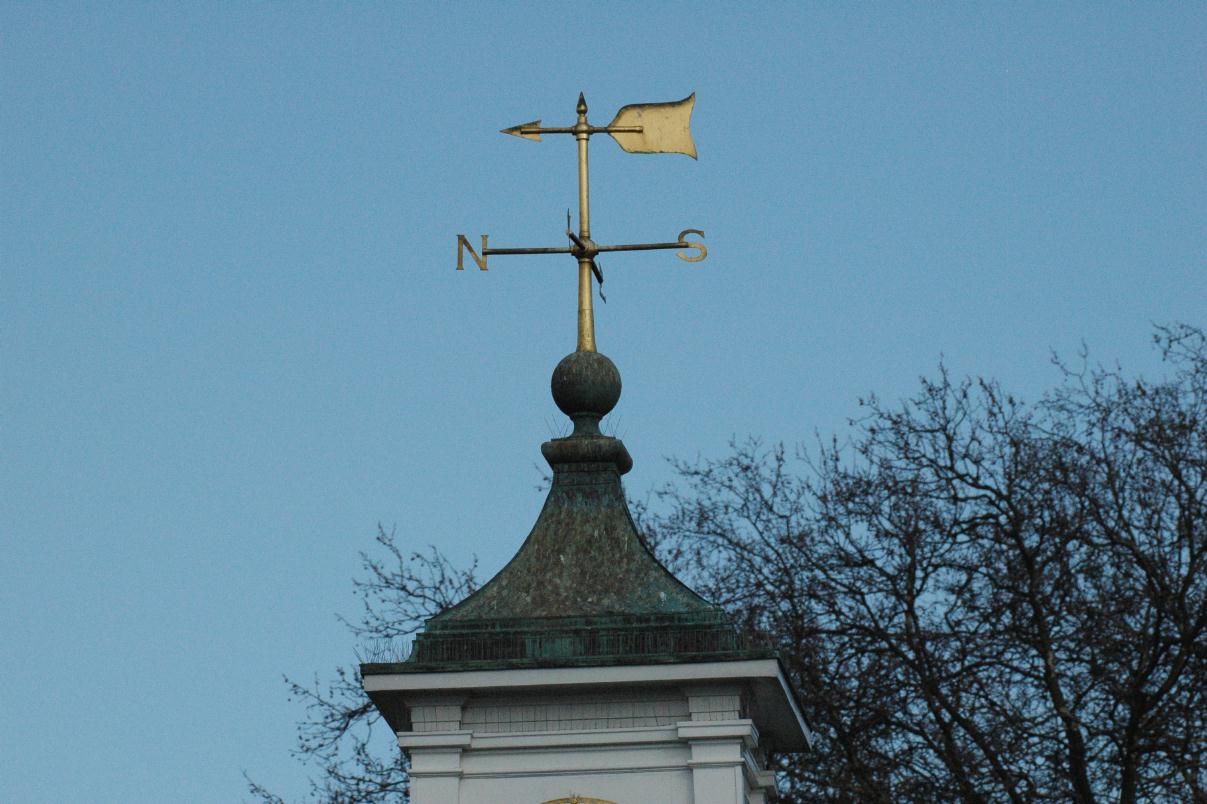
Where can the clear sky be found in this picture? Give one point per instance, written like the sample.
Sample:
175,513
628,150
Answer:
232,340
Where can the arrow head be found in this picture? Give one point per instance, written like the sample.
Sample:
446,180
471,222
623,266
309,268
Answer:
520,131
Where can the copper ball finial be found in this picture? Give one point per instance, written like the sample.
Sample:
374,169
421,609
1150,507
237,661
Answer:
586,386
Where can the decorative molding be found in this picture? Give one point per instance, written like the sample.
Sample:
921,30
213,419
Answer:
435,739
581,713
639,735
545,678
527,774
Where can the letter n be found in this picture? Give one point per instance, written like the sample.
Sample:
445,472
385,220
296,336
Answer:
464,246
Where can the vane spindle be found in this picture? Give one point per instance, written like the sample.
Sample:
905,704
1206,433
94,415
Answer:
586,309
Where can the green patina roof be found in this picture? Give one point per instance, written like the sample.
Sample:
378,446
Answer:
583,556
583,588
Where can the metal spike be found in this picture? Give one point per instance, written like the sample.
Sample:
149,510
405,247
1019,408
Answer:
597,269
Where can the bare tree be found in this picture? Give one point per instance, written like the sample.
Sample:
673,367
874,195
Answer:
398,592
980,600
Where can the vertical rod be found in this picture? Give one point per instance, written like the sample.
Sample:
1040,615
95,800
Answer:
586,312
584,201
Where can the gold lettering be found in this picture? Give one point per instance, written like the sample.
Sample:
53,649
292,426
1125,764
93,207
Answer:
688,244
464,246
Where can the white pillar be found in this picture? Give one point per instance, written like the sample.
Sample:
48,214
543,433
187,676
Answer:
435,765
718,759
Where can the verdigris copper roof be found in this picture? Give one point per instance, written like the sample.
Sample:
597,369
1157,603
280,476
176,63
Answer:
583,587
583,557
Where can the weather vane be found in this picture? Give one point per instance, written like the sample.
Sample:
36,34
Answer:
646,128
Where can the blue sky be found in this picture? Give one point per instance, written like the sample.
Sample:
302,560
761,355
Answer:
232,340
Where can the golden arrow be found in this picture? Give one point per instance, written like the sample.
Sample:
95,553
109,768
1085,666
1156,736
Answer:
639,128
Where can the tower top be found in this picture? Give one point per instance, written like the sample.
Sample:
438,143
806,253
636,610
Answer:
584,572
584,646
583,588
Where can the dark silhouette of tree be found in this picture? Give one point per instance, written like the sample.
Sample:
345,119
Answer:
335,739
979,599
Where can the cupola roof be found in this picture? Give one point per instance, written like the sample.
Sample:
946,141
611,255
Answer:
583,587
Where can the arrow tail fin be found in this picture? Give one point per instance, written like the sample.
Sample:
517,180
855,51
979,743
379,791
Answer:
665,127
